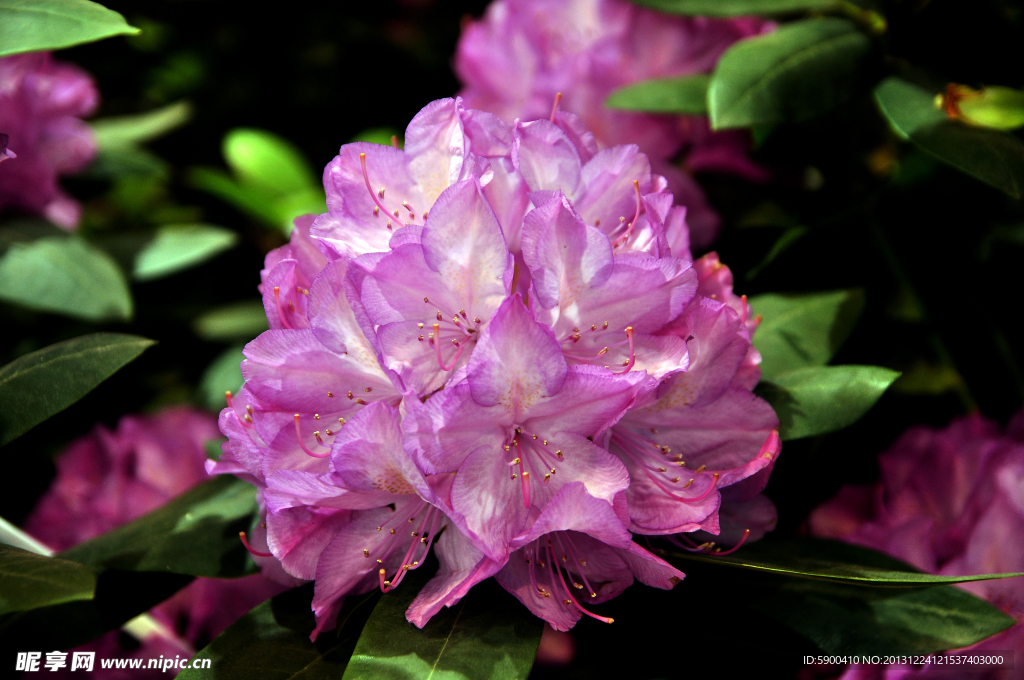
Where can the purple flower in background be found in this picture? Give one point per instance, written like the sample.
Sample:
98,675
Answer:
41,134
949,502
523,53
109,478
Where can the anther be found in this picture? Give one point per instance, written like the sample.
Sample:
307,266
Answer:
366,552
227,398
349,395
330,395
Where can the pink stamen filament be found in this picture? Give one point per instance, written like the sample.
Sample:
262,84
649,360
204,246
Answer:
298,435
257,553
688,545
554,108
366,178
437,348
280,311
432,516
572,599
632,225
746,535
624,439
574,556
227,398
632,352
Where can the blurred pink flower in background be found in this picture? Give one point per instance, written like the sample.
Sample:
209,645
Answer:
41,134
516,59
109,478
950,502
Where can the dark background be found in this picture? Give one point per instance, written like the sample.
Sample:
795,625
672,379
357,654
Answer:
937,253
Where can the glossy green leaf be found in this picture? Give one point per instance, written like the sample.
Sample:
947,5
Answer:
127,131
240,321
684,94
36,25
13,536
795,73
815,558
29,581
38,385
797,331
65,275
731,8
271,642
195,534
488,635
220,376
821,399
994,157
181,246
848,619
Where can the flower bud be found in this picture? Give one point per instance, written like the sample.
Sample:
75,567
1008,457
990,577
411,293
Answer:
1001,108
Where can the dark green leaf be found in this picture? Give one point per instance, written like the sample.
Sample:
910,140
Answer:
127,131
994,157
487,635
820,399
194,534
220,376
65,275
180,246
856,620
785,240
683,94
36,25
271,642
797,331
40,384
731,8
821,559
120,597
799,71
240,321
28,581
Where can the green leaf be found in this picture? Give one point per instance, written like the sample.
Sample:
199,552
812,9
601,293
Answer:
781,245
194,534
261,159
731,8
38,385
845,619
67,276
127,131
220,376
683,94
240,321
29,581
994,157
271,642
180,246
379,135
487,635
270,208
13,536
35,25
815,558
996,107
797,331
821,399
795,73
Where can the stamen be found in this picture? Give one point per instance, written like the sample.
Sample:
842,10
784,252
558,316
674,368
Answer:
632,225
605,619
257,553
746,535
366,179
394,141
227,398
554,109
280,312
437,348
632,354
298,435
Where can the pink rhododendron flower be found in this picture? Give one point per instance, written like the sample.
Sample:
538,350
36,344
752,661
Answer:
465,354
109,478
41,134
516,59
950,502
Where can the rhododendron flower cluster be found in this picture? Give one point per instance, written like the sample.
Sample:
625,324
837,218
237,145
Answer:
950,502
495,346
516,59
41,134
109,478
